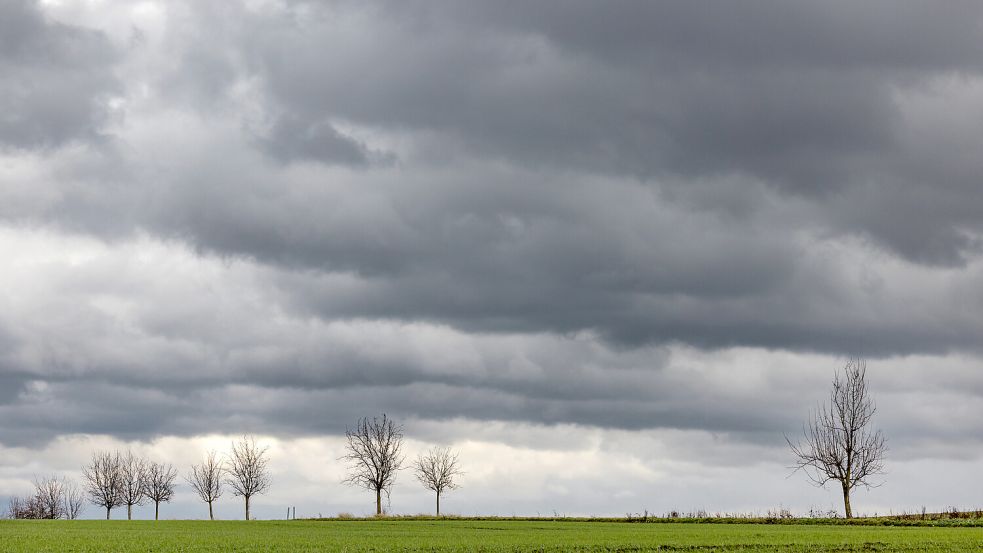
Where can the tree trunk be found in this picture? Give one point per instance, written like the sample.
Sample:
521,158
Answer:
438,503
247,507
846,501
378,502
156,510
129,512
108,511
210,515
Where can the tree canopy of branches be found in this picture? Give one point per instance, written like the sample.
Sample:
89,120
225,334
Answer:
72,500
104,480
160,484
374,455
49,498
438,471
133,482
246,470
206,480
53,498
838,442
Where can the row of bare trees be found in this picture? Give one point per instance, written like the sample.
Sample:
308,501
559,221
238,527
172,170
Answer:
115,479
53,498
375,456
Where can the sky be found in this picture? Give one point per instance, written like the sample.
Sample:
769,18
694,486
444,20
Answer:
611,252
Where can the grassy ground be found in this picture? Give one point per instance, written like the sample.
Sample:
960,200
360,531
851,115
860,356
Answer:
471,535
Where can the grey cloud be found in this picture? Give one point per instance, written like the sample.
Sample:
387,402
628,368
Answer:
519,251
57,79
291,139
186,358
801,97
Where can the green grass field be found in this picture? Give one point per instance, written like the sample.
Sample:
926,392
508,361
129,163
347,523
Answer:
471,535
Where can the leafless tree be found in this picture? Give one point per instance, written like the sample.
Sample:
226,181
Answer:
160,484
438,471
49,494
15,506
26,507
206,479
72,500
246,470
104,480
45,503
374,455
838,442
133,482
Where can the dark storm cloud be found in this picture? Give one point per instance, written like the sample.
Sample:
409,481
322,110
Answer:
643,172
800,96
56,82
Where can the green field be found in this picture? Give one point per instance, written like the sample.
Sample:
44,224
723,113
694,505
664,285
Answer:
472,535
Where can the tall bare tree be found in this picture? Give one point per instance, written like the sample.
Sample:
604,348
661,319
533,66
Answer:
133,482
206,479
246,470
104,480
838,442
438,471
160,484
375,455
72,500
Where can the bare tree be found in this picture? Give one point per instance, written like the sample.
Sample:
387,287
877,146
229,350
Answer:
838,443
374,456
49,494
15,506
133,482
26,508
104,480
206,479
72,500
438,471
45,503
160,484
246,470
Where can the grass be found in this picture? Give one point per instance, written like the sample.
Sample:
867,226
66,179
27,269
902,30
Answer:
472,535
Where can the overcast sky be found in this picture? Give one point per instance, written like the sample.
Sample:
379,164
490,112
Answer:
610,251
